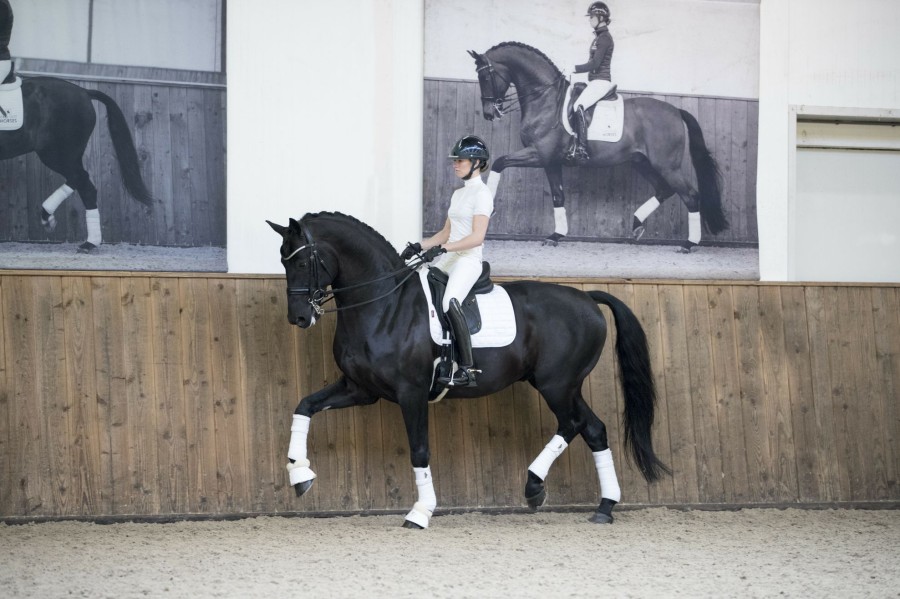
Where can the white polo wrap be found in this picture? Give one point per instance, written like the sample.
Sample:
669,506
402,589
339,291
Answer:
609,484
57,197
92,218
541,465
562,223
646,209
424,508
694,227
299,432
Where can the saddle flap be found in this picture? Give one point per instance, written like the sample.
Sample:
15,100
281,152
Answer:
577,88
437,282
11,108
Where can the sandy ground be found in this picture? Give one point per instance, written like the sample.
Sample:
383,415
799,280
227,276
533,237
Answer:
647,553
507,258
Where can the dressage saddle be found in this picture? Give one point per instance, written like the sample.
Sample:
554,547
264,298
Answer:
437,282
589,111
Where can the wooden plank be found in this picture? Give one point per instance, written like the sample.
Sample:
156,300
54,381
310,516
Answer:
677,390
231,443
801,392
216,102
840,357
704,401
886,318
777,396
833,484
52,393
739,216
752,166
139,397
528,425
183,229
504,466
399,481
753,401
195,162
169,405
197,332
728,394
6,428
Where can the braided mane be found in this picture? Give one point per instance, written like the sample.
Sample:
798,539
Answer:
525,47
352,219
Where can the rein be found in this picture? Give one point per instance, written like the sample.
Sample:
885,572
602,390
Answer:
516,100
318,295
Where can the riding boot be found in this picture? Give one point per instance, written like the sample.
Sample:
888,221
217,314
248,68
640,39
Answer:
581,151
465,375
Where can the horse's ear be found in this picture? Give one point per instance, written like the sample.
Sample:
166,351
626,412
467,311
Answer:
294,225
474,54
277,228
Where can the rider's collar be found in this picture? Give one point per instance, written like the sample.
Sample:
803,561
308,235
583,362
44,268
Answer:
475,179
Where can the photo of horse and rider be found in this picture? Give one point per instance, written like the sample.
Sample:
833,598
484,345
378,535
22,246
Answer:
618,132
112,141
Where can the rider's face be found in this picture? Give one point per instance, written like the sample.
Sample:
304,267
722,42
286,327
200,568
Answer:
595,21
461,167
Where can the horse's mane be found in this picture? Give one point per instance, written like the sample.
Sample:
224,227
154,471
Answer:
353,220
525,47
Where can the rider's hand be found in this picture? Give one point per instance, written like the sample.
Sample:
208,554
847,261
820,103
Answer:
410,250
432,253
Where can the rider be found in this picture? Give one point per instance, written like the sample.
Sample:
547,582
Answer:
6,23
599,78
462,238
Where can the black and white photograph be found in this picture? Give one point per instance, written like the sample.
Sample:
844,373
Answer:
112,145
622,134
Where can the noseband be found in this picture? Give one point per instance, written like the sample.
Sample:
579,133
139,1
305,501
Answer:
317,293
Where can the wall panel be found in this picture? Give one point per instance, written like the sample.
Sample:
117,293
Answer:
166,394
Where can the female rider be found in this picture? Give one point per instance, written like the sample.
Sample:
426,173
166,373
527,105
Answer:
462,239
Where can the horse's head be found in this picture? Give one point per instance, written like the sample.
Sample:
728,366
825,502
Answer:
307,274
493,79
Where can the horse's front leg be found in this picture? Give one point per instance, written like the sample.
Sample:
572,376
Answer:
341,394
414,407
527,157
561,223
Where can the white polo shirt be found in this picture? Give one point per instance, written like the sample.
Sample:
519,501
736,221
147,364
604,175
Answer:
472,198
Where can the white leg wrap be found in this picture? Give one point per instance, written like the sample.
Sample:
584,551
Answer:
57,197
299,470
562,223
541,464
92,218
423,509
609,484
493,181
646,209
694,227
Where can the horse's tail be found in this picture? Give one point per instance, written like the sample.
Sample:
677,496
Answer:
125,150
708,177
637,383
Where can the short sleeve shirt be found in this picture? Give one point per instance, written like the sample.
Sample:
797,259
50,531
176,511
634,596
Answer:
472,199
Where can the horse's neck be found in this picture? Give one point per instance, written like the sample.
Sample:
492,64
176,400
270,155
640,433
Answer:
533,77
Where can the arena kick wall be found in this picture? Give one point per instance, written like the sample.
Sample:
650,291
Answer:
125,394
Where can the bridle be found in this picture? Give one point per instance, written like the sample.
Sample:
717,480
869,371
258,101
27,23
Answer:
515,102
318,295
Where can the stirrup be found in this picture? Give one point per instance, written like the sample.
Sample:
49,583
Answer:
462,377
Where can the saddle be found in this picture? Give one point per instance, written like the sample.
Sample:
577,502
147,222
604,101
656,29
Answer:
437,282
577,88
11,106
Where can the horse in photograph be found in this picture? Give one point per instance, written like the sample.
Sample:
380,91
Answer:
384,349
59,119
656,139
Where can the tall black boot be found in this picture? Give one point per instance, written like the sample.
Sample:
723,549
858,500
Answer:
465,375
581,151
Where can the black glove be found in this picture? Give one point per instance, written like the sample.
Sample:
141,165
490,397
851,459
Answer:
410,250
432,253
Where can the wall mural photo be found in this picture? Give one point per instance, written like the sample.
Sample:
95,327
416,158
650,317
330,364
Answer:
112,141
622,134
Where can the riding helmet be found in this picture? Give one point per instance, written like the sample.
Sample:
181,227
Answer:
471,147
600,9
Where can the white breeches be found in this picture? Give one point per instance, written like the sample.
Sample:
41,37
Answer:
595,90
464,270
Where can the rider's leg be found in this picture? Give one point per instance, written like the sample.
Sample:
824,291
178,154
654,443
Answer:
595,90
464,272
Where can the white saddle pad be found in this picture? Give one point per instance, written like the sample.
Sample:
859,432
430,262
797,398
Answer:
11,115
498,321
608,122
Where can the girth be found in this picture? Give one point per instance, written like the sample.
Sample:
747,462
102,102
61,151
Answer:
577,88
437,282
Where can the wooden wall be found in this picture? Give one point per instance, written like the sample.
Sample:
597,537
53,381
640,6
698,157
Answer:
140,394
177,120
600,202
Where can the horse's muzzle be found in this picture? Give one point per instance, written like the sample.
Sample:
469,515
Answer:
302,321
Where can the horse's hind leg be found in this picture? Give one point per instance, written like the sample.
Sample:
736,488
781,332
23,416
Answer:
594,434
70,166
661,188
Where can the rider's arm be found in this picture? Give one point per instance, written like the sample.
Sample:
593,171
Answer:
603,44
474,239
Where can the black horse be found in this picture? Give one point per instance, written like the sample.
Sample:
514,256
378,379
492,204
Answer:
657,139
384,349
58,121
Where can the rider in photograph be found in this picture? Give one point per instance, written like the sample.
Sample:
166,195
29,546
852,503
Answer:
6,23
462,239
599,76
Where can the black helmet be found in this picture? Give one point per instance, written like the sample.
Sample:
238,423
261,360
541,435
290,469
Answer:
600,9
471,147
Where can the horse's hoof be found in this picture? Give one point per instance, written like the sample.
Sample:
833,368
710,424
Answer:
686,247
48,220
412,525
536,501
637,233
301,488
601,518
87,248
552,240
